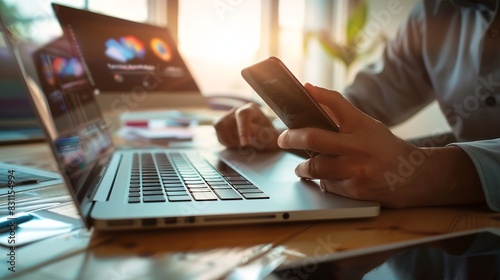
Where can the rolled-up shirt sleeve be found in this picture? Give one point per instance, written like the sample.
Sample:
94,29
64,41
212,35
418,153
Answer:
485,155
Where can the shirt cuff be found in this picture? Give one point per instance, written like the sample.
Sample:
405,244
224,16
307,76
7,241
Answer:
486,158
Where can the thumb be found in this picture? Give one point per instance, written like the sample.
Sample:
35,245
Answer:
341,109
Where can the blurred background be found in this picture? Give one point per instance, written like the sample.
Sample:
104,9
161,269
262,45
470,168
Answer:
324,42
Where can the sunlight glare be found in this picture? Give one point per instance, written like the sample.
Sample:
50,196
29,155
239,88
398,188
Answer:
222,37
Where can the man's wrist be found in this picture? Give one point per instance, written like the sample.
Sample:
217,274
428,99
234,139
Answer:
448,177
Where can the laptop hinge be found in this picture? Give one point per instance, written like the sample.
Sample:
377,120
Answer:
107,178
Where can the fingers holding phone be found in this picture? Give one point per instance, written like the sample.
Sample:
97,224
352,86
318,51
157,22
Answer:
247,126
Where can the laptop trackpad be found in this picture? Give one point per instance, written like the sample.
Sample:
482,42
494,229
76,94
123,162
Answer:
271,166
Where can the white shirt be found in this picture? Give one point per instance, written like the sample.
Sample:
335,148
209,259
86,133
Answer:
447,51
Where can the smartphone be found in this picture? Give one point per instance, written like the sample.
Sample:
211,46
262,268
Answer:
286,96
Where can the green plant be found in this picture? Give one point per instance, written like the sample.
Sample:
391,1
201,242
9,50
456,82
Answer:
352,50
10,15
21,26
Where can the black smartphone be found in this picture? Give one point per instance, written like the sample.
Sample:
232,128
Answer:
286,96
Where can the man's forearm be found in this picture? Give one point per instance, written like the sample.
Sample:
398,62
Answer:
447,176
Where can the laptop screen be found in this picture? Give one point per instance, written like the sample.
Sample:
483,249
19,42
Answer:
80,140
125,56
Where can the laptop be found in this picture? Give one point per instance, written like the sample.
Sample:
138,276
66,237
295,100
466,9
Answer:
133,66
130,189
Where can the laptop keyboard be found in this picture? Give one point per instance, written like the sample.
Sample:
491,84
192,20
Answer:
180,177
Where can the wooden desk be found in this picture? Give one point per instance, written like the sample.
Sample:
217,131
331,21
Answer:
156,254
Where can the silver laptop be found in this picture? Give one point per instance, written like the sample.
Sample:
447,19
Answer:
159,188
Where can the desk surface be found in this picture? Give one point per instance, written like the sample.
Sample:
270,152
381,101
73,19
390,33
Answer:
134,255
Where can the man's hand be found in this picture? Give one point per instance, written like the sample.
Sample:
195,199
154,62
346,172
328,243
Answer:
366,161
247,126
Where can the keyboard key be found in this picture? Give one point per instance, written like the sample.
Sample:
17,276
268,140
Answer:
199,190
204,196
226,186
210,174
183,192
260,195
179,198
170,179
150,181
154,198
216,182
227,194
147,193
237,183
235,178
166,182
165,169
152,188
134,194
151,184
176,185
239,187
194,182
174,189
176,182
249,190
134,199
199,183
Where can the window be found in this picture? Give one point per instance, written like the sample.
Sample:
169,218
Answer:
218,39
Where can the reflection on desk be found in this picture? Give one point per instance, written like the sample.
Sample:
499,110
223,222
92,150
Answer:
16,177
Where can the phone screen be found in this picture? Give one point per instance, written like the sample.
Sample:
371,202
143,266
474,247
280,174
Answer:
286,96
471,256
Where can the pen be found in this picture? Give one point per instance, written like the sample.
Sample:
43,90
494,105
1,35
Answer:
20,183
159,123
6,223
